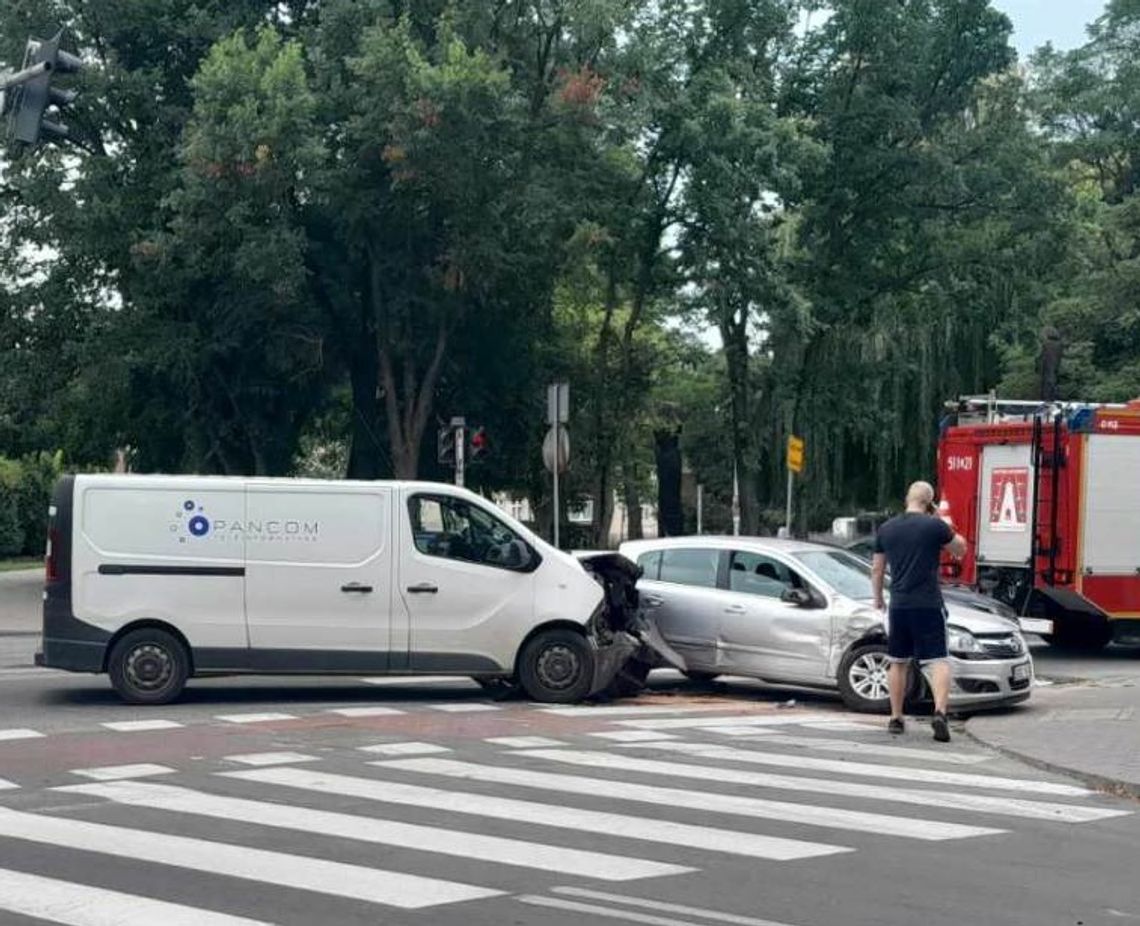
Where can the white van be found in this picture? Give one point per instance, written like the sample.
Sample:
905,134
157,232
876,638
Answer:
154,579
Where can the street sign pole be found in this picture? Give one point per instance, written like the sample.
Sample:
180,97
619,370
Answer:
459,425
700,509
557,415
788,516
735,503
557,466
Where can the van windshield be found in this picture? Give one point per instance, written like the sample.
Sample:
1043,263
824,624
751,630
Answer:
849,575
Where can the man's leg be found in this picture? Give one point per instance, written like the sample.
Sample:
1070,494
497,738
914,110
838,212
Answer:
940,682
897,677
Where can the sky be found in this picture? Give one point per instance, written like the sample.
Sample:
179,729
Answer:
1061,22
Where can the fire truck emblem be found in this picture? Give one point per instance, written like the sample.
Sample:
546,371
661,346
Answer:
1009,492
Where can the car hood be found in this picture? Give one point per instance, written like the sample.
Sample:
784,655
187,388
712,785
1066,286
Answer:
977,621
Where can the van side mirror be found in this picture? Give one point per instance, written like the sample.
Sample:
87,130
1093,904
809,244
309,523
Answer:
800,597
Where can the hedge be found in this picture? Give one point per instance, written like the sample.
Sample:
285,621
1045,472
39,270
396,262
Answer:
25,494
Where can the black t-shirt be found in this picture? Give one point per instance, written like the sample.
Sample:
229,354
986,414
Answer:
913,545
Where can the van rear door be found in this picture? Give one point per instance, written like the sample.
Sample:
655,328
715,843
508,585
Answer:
318,576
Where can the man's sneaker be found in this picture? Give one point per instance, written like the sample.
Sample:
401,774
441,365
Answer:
941,728
896,727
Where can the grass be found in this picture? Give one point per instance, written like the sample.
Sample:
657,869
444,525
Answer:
21,562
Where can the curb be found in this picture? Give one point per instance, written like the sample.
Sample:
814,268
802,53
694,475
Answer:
1113,786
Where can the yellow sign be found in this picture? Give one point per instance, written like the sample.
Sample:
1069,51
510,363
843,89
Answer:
795,453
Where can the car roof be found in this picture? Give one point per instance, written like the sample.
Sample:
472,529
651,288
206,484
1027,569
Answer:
712,542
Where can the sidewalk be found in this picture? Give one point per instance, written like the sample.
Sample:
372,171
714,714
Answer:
20,601
1090,730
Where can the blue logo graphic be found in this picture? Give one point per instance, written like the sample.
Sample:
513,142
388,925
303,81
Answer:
188,505
199,525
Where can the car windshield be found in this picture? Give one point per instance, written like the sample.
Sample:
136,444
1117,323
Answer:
849,575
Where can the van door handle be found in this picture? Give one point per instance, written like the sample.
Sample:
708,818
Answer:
736,609
356,587
424,588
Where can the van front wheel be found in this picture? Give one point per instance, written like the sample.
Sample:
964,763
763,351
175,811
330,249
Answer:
557,667
148,666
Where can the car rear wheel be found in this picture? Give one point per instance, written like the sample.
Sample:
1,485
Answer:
557,667
148,666
863,680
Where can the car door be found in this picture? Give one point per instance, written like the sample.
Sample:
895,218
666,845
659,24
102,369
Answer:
466,584
761,634
318,578
679,592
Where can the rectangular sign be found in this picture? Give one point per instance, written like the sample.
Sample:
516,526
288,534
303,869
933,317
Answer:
1009,499
795,453
558,403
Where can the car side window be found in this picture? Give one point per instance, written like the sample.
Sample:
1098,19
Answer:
650,564
690,567
755,574
451,528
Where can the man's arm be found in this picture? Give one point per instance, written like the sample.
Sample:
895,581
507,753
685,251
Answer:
878,570
956,547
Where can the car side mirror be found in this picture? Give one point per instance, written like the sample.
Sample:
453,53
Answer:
800,597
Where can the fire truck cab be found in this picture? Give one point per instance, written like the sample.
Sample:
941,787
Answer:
1047,496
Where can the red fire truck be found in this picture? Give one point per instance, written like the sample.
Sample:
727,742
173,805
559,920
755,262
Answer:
1048,499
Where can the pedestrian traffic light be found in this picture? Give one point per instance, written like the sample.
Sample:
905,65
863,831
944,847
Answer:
445,446
480,445
31,99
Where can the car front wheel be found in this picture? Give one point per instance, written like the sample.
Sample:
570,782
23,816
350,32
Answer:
557,667
864,682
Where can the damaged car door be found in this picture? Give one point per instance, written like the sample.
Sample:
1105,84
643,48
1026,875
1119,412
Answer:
772,624
678,592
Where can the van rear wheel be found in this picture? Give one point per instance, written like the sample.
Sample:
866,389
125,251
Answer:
557,667
148,666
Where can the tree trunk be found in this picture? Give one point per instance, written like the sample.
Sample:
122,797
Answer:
365,451
670,514
635,530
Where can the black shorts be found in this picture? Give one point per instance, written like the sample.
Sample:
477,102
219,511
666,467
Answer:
916,633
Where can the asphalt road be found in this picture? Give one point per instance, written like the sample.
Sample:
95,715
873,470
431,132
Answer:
418,803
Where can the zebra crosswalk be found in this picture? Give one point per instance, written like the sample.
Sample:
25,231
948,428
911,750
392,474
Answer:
407,825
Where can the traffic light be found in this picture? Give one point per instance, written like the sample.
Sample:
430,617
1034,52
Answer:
31,99
445,446
480,445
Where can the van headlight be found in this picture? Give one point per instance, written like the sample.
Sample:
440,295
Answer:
962,643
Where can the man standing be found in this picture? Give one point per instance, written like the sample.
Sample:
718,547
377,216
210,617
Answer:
911,544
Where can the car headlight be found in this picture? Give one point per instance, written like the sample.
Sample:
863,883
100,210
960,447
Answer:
960,641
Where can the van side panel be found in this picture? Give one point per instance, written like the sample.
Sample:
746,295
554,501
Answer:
318,574
161,550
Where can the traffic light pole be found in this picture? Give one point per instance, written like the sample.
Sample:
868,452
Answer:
459,425
788,517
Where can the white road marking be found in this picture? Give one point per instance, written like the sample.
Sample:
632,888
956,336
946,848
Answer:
80,905
523,742
908,774
270,758
645,904
634,736
253,718
293,871
118,772
405,749
590,910
463,707
366,711
139,726
982,803
808,814
644,709
682,723
854,747
19,734
418,680
492,849
624,826
841,726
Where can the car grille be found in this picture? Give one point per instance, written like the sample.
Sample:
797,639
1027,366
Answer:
1002,646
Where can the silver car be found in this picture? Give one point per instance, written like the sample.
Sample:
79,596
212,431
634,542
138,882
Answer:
800,613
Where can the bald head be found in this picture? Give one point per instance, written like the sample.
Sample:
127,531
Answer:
920,497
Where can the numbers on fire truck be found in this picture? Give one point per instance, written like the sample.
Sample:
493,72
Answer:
960,464
1110,424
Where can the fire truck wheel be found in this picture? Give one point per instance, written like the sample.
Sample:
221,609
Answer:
863,680
1080,637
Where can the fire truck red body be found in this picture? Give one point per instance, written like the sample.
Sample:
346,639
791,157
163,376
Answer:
1048,499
